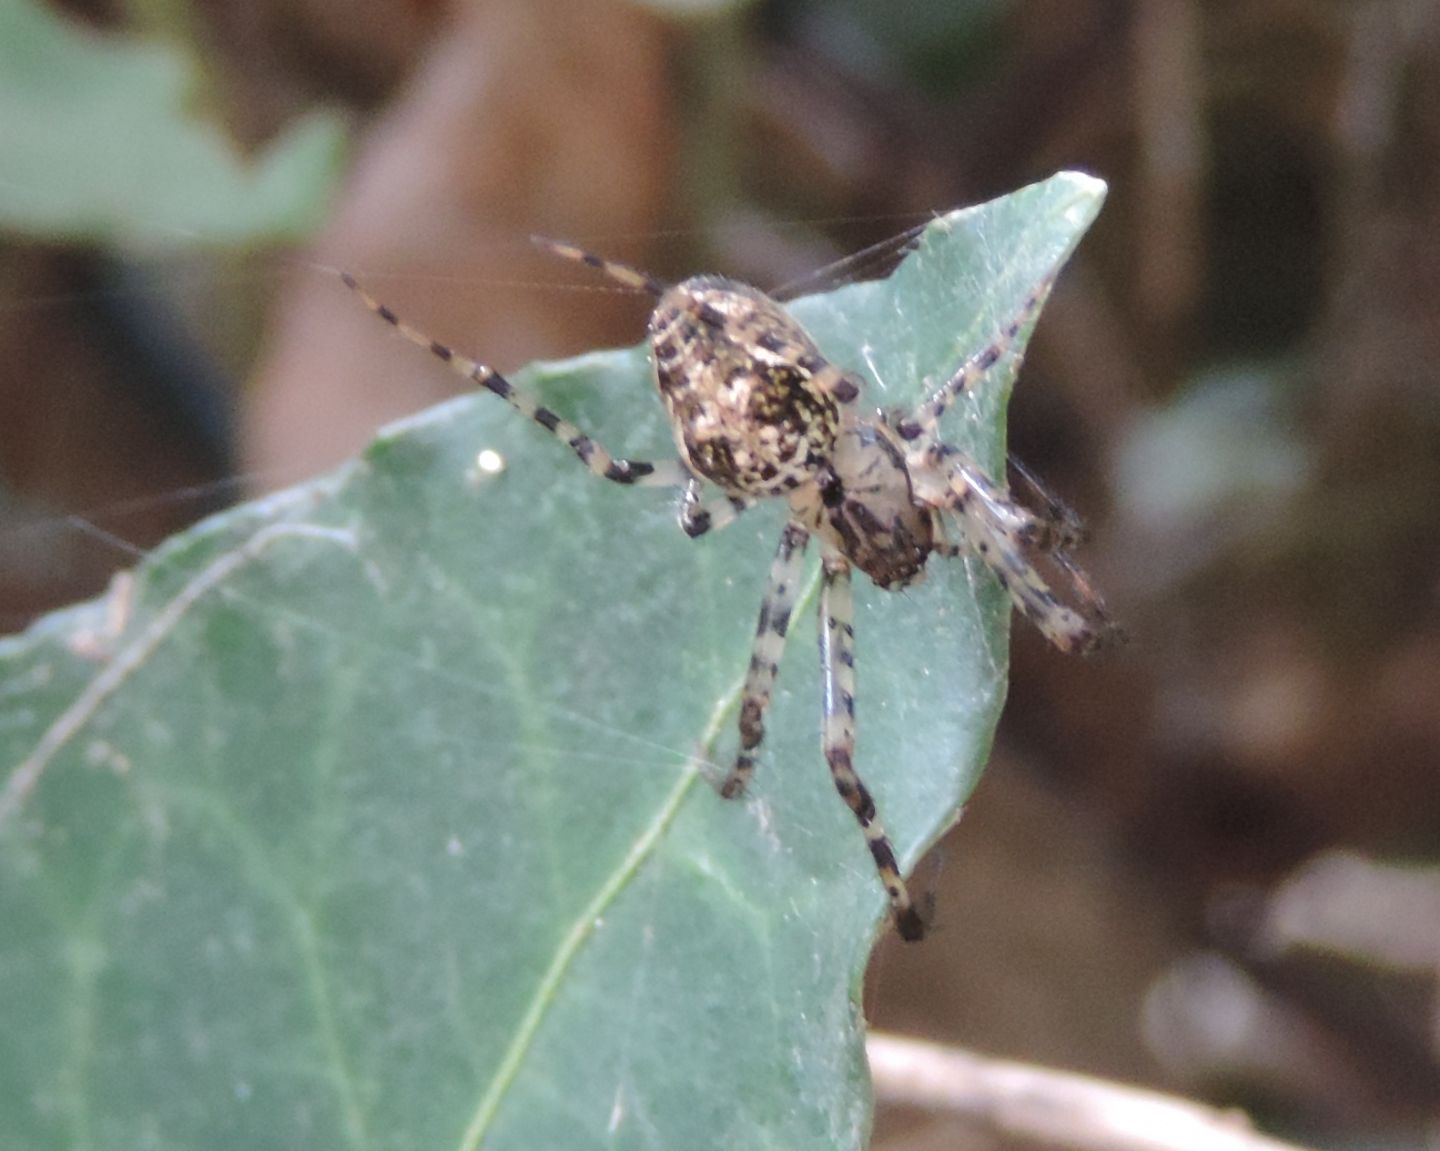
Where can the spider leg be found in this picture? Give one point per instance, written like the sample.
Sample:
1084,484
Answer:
698,516
1066,528
666,473
925,420
620,273
765,653
837,663
1005,536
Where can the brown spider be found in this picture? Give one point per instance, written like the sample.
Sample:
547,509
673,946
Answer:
759,412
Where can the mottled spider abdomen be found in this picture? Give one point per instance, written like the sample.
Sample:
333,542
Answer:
751,400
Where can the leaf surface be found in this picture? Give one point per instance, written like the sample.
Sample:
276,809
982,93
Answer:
372,821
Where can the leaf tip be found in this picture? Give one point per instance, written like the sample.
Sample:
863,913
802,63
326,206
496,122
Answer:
1087,195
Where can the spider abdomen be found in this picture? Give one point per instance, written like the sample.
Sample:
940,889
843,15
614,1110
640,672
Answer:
742,383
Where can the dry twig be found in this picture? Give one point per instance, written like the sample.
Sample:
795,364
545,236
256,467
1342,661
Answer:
1059,1107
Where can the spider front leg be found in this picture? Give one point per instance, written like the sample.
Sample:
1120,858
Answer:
1065,529
667,473
837,664
765,653
925,421
1005,536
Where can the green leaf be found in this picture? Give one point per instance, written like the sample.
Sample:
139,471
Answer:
97,143
372,822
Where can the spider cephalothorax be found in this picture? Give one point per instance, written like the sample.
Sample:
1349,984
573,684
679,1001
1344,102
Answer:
867,509
758,412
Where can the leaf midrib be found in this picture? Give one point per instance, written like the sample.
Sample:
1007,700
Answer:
585,923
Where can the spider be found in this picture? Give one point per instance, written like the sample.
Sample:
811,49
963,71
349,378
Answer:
758,412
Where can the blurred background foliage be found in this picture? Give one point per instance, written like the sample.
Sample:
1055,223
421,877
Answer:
1207,862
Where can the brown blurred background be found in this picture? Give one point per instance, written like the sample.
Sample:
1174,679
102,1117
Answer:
1206,863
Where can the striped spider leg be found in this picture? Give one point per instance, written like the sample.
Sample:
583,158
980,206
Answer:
759,413
1003,533
781,592
837,667
591,453
697,514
